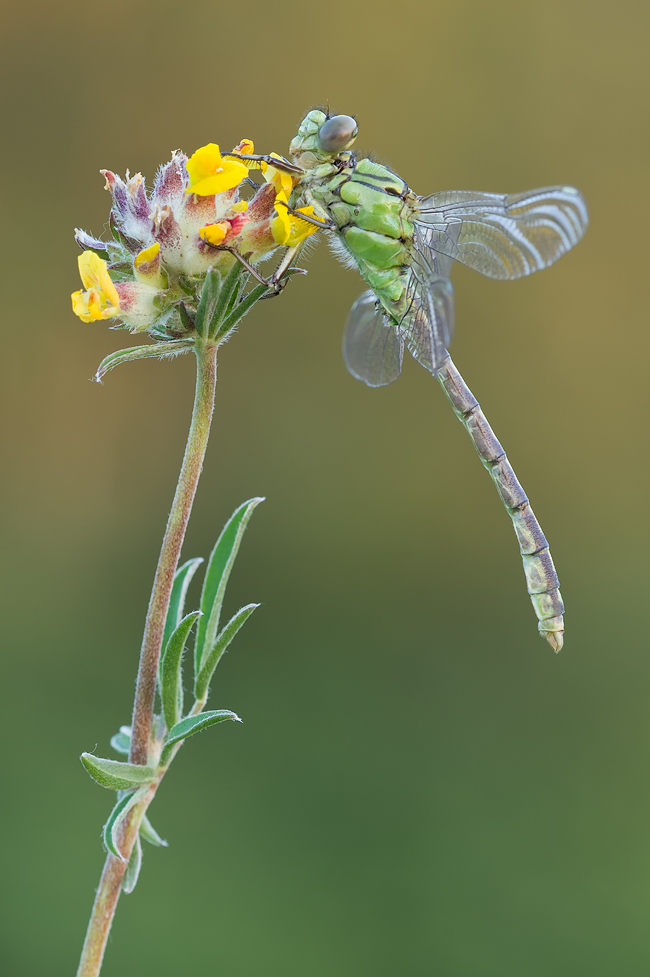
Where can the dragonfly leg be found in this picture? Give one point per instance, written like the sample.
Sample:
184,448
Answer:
286,262
541,578
322,223
278,280
280,164
244,261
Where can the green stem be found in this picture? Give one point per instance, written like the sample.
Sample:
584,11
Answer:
206,379
111,881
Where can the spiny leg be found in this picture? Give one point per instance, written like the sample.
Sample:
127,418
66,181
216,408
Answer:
277,281
279,163
321,223
541,578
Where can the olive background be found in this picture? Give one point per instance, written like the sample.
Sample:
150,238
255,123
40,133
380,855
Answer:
420,786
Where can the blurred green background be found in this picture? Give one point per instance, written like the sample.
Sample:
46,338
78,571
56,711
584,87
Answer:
420,786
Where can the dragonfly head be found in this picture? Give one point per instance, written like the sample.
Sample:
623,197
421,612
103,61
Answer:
324,135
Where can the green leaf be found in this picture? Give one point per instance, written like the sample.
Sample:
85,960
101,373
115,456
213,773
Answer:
208,301
171,685
216,578
149,833
156,350
121,742
194,724
117,815
115,775
219,647
182,579
242,308
130,879
186,318
229,291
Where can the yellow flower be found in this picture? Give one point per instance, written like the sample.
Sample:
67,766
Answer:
214,233
210,174
147,255
245,147
100,300
283,182
288,229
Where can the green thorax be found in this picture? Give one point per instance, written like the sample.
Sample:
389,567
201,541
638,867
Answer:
373,209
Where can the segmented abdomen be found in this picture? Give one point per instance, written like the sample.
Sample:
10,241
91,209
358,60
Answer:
541,578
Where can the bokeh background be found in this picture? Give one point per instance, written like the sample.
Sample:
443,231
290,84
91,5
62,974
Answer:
420,786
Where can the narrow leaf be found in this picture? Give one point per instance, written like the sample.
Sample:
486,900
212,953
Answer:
115,775
149,833
130,879
182,579
219,647
221,563
229,290
194,724
117,815
208,301
171,685
156,350
121,742
243,308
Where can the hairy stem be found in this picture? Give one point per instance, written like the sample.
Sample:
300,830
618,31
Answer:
110,884
108,892
206,378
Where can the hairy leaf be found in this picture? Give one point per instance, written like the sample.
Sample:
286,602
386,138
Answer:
130,879
182,579
221,563
117,815
194,724
208,301
171,685
115,775
121,742
149,833
156,350
219,647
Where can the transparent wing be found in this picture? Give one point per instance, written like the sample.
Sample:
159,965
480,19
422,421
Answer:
503,235
428,324
373,348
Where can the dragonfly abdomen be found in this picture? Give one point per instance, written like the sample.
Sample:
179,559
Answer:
541,578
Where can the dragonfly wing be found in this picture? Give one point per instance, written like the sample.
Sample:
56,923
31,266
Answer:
373,347
429,320
503,235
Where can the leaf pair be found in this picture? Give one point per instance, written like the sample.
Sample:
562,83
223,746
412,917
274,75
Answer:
210,644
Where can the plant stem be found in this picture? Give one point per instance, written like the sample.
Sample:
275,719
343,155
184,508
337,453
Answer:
206,379
110,884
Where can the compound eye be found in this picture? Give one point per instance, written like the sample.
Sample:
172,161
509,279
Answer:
337,133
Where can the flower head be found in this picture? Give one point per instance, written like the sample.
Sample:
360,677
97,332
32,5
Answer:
166,240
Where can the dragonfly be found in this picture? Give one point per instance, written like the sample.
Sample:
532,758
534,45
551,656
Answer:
404,246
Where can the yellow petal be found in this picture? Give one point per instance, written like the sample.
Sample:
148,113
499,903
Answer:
147,255
214,233
210,174
100,300
94,275
246,147
299,231
283,182
203,162
240,207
